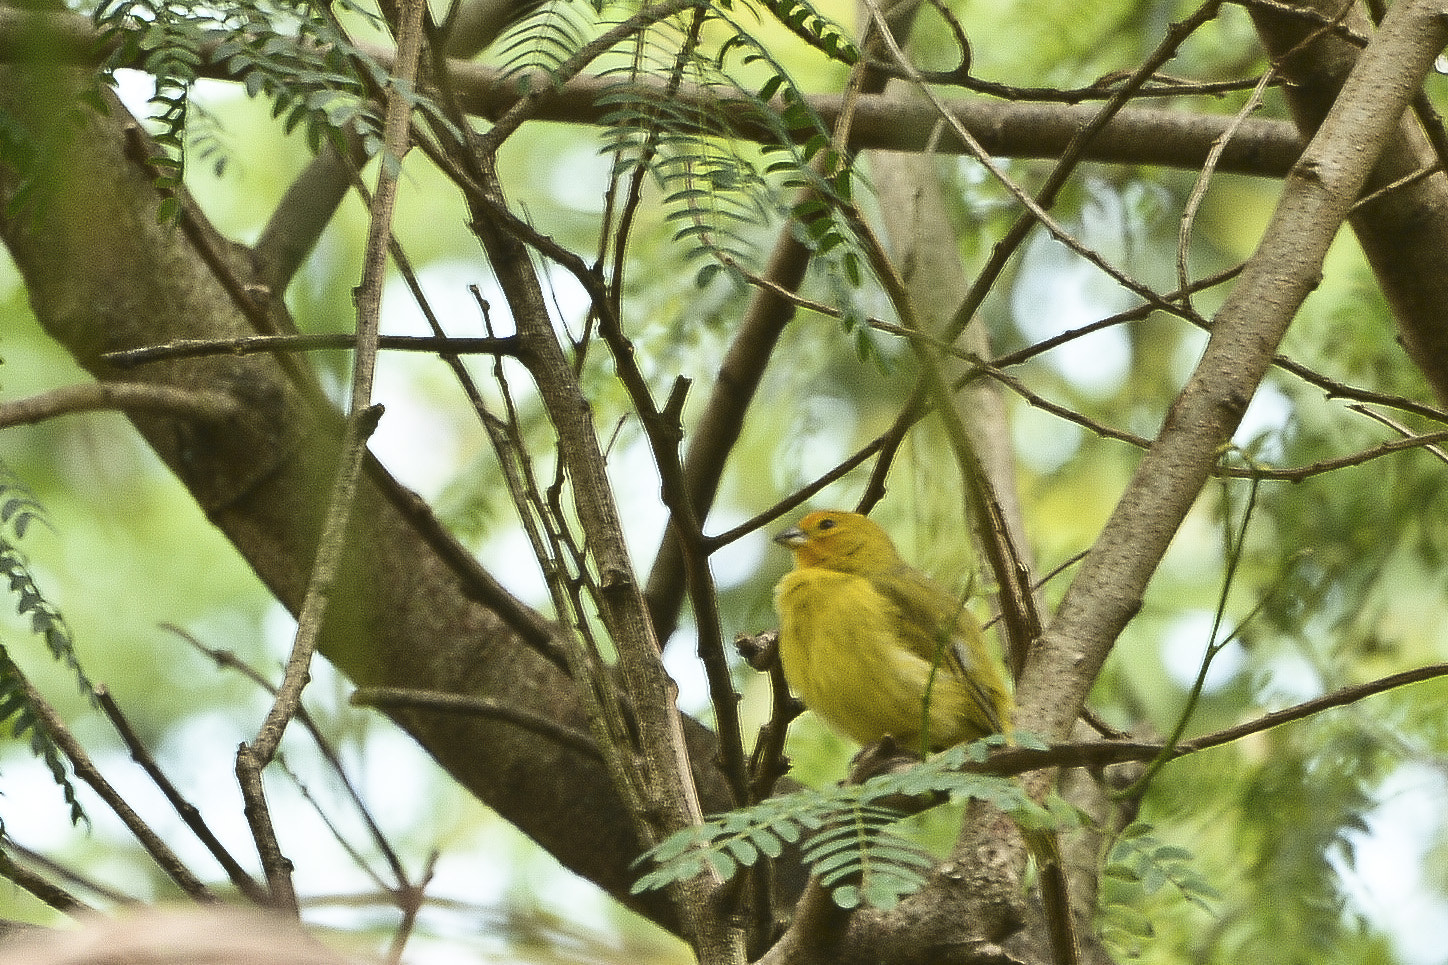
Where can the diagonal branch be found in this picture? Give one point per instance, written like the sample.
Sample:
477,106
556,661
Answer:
1316,199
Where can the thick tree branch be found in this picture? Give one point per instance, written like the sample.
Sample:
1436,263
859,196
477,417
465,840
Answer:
1151,136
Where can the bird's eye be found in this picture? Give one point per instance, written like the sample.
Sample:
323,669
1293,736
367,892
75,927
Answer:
827,524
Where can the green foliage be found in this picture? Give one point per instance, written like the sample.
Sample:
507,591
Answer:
1289,839
800,152
718,195
18,509
844,832
547,37
1139,866
809,25
295,53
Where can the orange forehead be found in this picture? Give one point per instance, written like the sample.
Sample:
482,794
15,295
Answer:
827,519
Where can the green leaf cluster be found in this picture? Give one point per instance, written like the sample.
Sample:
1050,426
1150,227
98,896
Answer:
297,54
845,833
18,509
548,37
719,195
1139,866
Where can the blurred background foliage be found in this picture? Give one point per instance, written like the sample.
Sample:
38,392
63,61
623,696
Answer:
1326,839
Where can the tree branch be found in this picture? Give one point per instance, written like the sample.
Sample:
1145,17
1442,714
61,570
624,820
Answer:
1149,136
416,610
208,406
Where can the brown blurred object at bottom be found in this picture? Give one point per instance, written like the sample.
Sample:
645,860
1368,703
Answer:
176,936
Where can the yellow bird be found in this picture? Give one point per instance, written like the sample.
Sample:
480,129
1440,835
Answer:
875,647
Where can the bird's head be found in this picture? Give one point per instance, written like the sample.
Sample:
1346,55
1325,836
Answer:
837,540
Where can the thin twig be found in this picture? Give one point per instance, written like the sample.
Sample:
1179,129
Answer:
1299,473
408,698
48,865
183,348
41,887
1399,428
187,811
227,660
411,901
1204,178
361,421
85,769
1098,754
208,405
341,839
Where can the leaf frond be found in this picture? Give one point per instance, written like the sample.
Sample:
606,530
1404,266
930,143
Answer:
846,835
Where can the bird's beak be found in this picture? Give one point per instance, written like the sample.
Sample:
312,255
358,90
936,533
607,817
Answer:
792,537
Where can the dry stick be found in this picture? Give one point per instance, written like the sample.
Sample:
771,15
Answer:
766,762
504,237
663,430
578,652
653,774
984,504
252,758
138,397
1108,588
994,370
46,890
393,698
843,468
1204,179
50,866
227,660
511,456
185,348
361,421
86,770
187,811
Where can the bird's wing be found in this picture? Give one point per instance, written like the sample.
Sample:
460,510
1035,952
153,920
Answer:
938,629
